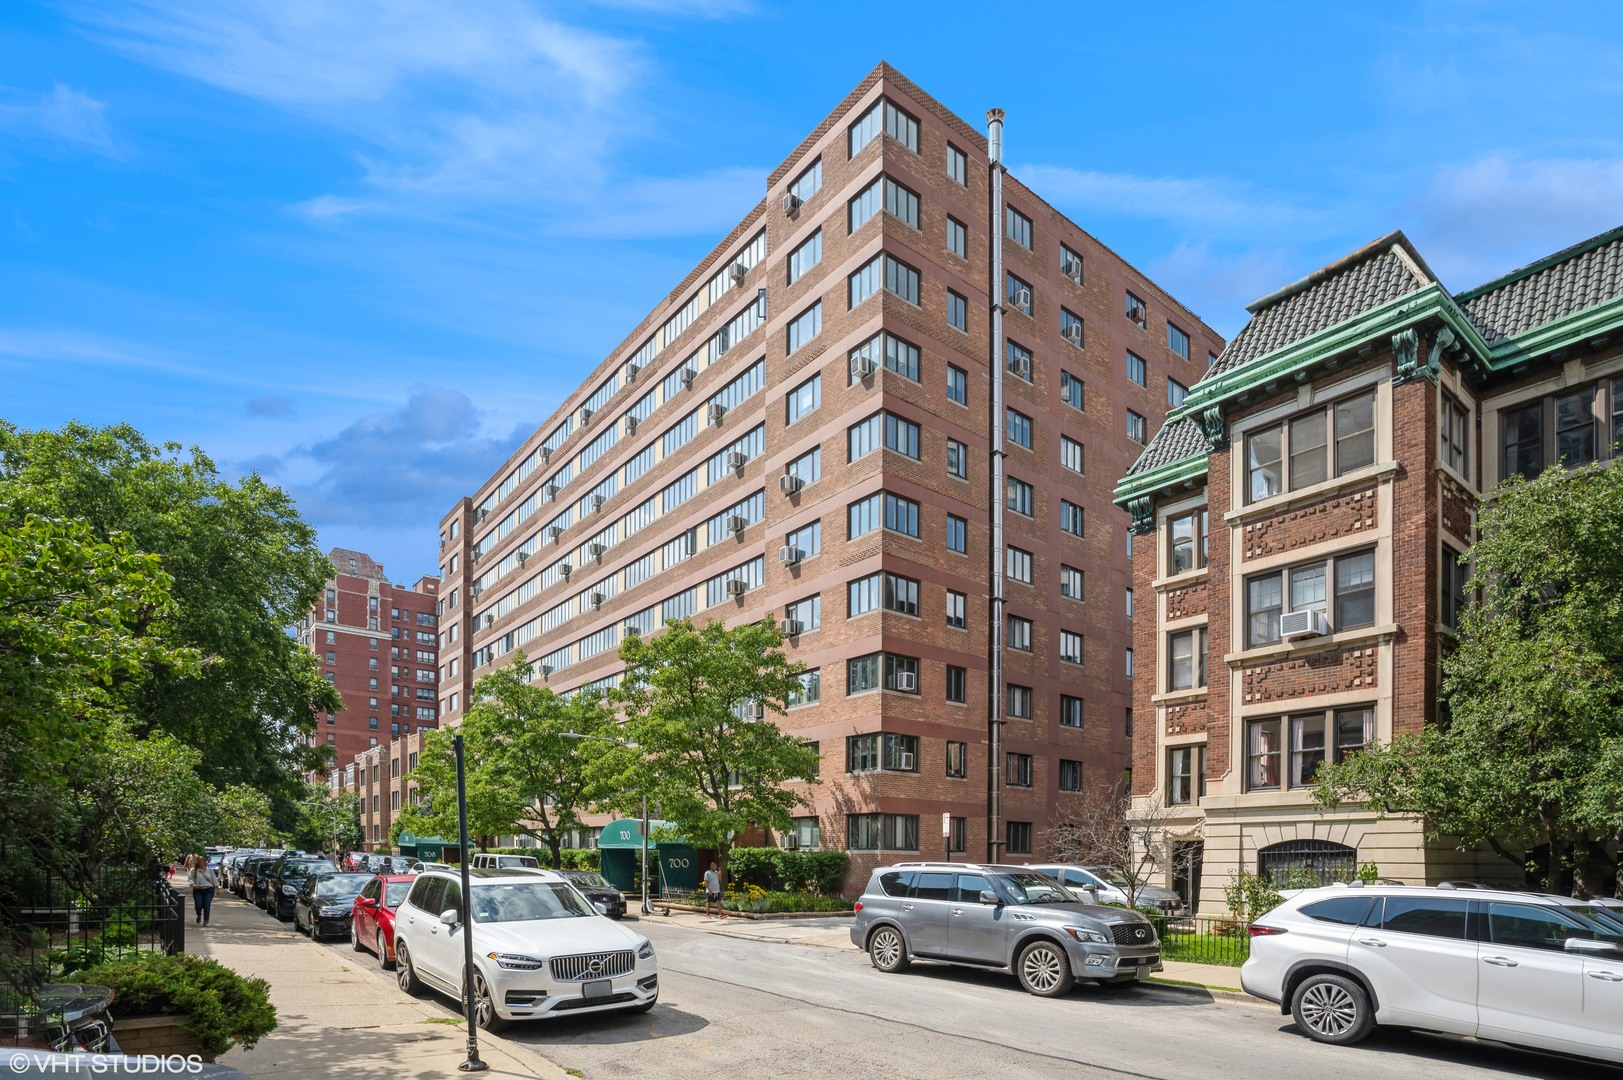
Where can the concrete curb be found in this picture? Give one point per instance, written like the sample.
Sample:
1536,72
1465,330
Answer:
768,916
1233,997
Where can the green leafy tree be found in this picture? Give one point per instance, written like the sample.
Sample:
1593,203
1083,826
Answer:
522,773
242,817
690,695
327,821
1529,759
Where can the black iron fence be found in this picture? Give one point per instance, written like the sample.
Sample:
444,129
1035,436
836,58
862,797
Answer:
1203,940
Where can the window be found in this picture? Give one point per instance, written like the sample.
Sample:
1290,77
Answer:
901,436
862,834
901,515
1019,634
1070,775
1186,775
804,399
1017,427
892,591
901,673
1019,837
1523,442
863,438
957,238
957,534
1070,711
1019,702
1070,647
808,466
1176,392
1527,926
1328,441
900,753
1071,518
863,516
808,613
1186,659
809,183
1454,428
811,689
1575,424
901,203
1186,538
958,759
1070,582
1138,428
1127,662
957,684
1178,341
1017,770
1135,310
864,205
1314,738
887,118
957,166
957,604
806,256
957,385
1017,227
957,459
1070,390
1018,564
902,280
807,325
1018,293
862,753
1425,915
957,311
899,831
862,674
1070,326
889,351
1019,497
1070,454
1070,264
1017,358
808,539
1137,371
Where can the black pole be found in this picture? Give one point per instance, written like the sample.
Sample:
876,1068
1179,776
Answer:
472,1064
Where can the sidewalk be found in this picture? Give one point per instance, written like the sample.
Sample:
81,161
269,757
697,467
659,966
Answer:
835,933
336,1016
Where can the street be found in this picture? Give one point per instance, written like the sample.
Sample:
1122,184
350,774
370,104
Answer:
735,1008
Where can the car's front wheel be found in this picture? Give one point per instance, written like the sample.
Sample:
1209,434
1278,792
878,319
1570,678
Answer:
1332,1009
887,950
484,1007
405,975
1045,970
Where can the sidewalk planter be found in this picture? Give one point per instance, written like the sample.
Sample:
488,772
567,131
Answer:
161,1036
218,1007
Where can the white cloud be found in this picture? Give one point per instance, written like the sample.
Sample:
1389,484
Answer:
1217,285
1215,204
63,114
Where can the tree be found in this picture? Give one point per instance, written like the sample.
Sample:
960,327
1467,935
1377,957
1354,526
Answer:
690,697
1529,756
242,817
522,773
1108,828
327,821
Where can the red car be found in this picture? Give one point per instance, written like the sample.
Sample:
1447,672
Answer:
372,927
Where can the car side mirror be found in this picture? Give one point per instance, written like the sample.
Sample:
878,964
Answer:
449,917
602,908
1588,945
1092,891
990,897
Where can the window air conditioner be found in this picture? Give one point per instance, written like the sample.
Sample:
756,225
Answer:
1297,625
595,551
789,556
735,460
738,272
790,483
789,841
687,377
546,454
545,669
631,425
523,557
714,414
1022,299
789,627
1072,268
480,515
596,599
473,556
475,589
736,523
442,543
1022,368
585,414
490,620
736,587
632,368
1073,334
905,760
756,711
791,203
906,680
630,629
555,531
861,367
550,491
597,503
564,570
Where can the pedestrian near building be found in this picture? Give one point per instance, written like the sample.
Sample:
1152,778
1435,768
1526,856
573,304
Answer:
712,892
204,881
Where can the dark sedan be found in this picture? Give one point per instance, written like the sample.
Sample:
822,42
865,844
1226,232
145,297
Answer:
285,880
257,884
326,902
592,886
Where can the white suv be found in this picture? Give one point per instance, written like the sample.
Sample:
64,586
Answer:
1511,967
540,949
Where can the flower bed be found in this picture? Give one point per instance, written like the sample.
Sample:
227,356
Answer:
755,900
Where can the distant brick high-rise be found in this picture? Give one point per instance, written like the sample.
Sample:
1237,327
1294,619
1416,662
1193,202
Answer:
378,644
805,430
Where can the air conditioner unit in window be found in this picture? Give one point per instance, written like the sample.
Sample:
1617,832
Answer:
789,556
861,367
597,503
555,531
546,454
738,272
480,515
687,376
736,523
596,551
1073,333
545,669
442,543
550,491
789,841
905,760
632,367
1022,299
1298,625
490,620
1072,268
789,627
596,599
523,557
473,556
790,483
564,570
736,460
755,711
631,425
1136,314
906,680
475,589
736,587
1022,368
714,413
585,414
630,629
791,203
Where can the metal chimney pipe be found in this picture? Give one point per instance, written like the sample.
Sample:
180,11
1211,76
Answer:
994,734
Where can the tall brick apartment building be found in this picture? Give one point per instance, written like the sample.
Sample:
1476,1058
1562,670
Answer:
378,643
824,424
1306,509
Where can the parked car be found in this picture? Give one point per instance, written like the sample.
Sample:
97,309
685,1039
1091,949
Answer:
540,948
485,860
419,866
373,924
257,885
1003,918
283,882
1507,966
591,885
325,901
1108,886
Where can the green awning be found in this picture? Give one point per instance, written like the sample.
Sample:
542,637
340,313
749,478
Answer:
412,840
627,833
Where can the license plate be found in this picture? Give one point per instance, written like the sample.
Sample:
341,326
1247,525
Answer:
597,988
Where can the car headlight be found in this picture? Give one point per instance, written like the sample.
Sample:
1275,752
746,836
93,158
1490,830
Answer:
333,912
516,961
1093,936
646,951
288,890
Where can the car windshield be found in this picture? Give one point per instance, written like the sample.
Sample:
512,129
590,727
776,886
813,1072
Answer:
300,871
587,877
1037,889
527,901
342,886
1113,877
395,892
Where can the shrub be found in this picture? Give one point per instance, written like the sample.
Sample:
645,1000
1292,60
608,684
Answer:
777,870
224,1007
572,858
762,902
1250,895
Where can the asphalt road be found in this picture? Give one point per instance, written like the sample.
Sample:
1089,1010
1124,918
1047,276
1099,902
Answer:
736,1008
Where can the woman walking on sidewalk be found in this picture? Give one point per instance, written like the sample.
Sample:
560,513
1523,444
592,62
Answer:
204,882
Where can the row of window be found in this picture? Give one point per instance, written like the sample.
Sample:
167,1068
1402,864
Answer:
900,832
885,752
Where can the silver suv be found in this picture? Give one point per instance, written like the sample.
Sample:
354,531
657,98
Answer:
1001,918
1513,967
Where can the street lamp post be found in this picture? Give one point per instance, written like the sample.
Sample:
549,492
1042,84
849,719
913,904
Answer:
472,1063
647,908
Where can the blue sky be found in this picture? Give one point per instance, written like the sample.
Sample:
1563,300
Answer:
365,247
